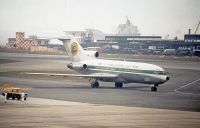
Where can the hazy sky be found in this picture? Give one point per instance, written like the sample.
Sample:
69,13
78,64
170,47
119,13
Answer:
52,17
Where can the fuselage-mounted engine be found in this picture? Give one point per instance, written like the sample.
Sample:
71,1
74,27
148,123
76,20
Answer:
91,54
77,66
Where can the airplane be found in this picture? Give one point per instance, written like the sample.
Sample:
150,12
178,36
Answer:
88,65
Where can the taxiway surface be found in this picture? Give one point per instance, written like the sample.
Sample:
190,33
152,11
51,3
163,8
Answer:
181,92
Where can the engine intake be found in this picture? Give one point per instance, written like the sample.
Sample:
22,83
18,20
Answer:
70,66
97,54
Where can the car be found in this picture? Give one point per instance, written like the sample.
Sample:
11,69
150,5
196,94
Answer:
169,52
181,52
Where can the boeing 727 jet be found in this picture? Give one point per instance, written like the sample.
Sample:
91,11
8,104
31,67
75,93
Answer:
88,65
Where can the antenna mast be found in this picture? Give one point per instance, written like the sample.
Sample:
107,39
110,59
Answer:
197,28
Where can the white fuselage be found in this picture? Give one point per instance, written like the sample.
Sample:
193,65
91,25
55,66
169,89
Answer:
87,62
128,72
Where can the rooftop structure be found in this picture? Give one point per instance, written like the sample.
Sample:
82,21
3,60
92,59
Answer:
87,36
127,29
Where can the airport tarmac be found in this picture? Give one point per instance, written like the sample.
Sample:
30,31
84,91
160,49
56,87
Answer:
48,113
181,93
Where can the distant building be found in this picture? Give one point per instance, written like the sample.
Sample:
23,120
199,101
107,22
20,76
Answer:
11,40
40,41
134,42
192,38
193,41
87,36
77,34
190,42
20,42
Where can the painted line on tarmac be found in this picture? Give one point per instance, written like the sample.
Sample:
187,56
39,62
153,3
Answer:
177,89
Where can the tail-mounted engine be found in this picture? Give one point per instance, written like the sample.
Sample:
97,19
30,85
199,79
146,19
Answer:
77,66
92,54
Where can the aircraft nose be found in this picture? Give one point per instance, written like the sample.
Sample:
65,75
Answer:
167,78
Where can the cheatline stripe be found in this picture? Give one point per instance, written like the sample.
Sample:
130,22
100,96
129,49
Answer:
125,70
144,74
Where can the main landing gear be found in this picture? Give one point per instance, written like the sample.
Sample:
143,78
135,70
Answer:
118,84
154,88
95,84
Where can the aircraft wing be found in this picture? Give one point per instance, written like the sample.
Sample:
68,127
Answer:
92,75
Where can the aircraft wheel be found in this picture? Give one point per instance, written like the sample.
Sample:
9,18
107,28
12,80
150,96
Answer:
92,85
118,85
154,89
95,84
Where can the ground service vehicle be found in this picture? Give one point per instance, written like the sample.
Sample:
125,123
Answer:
14,93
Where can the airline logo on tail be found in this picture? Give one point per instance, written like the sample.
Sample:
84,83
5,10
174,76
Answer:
74,48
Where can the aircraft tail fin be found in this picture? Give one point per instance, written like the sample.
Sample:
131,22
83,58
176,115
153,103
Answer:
73,48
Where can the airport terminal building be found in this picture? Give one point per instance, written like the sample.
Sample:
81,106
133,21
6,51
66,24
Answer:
155,42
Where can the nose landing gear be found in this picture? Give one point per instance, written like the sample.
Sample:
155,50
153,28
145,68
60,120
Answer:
154,88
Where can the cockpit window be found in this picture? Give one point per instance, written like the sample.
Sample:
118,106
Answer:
160,72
